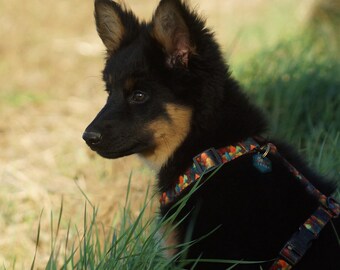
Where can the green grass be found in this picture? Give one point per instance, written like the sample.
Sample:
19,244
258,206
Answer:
130,245
298,84
135,244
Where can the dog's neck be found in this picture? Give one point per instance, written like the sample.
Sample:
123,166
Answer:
232,121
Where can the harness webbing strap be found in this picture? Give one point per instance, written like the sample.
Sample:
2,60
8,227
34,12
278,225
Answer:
299,243
205,162
310,189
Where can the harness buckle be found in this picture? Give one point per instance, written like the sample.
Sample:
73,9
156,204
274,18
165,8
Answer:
297,246
207,161
333,206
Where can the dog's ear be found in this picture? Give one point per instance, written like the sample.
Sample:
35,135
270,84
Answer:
171,31
115,24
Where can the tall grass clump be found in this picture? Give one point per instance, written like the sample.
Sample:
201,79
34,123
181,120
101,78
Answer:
131,242
134,243
297,83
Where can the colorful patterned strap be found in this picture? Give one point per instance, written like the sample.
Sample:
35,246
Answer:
205,162
300,242
323,200
281,264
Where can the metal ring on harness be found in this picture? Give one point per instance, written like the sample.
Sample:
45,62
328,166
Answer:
267,150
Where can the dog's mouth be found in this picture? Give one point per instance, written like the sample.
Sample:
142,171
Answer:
137,148
113,155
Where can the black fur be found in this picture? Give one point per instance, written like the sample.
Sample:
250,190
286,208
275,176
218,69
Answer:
255,213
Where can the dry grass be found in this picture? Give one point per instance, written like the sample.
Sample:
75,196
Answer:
50,66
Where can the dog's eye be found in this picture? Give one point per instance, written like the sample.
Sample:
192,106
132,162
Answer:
138,97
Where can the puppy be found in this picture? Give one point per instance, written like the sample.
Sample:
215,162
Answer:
172,101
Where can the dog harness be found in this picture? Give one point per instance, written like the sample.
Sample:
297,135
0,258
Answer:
211,159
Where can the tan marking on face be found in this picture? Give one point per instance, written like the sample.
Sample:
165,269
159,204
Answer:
168,135
129,84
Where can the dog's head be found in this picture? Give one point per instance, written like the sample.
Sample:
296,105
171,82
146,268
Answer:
153,74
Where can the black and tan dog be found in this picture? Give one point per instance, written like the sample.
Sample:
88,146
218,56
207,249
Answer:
170,98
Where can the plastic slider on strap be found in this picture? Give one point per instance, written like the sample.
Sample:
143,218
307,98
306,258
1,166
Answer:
297,246
207,161
333,206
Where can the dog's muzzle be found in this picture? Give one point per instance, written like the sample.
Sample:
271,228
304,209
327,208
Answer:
92,138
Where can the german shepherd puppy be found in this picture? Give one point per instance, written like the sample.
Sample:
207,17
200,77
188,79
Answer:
170,98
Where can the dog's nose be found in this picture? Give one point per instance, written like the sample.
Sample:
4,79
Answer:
92,138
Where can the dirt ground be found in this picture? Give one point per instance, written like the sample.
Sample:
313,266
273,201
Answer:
50,89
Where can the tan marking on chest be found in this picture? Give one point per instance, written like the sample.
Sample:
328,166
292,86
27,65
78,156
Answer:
170,240
168,135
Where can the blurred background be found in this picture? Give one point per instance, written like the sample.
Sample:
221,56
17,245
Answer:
50,89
